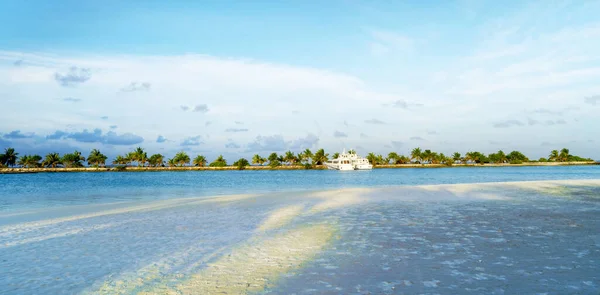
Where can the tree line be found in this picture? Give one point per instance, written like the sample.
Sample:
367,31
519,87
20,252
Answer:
500,157
306,158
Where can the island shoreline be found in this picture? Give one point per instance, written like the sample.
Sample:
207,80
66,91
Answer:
21,170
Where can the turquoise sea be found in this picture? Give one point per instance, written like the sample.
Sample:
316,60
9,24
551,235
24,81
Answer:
468,231
22,191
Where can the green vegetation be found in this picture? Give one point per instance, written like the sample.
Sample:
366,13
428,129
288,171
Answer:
181,159
156,160
120,160
9,158
564,156
52,160
96,158
29,161
274,160
241,164
258,160
306,159
290,158
219,162
320,157
73,160
138,156
200,161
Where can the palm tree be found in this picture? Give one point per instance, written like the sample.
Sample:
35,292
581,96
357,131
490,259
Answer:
499,157
96,158
302,158
335,155
181,159
290,158
171,162
9,158
52,160
139,156
274,159
200,160
456,157
130,157
142,159
502,157
372,159
258,160
34,160
156,160
554,156
23,160
447,160
402,159
427,156
120,160
73,160
564,155
320,157
241,164
308,155
476,157
29,161
516,157
393,156
470,156
416,155
219,162
281,158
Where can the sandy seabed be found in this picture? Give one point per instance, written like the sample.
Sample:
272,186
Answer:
494,238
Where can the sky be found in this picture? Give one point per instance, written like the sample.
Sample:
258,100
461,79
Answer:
244,77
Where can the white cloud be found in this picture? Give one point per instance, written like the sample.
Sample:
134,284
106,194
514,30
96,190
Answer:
508,72
231,87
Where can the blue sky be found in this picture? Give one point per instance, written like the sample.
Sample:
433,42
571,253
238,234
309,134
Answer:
239,78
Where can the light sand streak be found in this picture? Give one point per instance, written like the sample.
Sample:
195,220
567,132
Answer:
253,268
338,198
280,217
60,235
156,205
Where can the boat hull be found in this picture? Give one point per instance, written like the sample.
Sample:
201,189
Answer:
349,167
364,167
343,167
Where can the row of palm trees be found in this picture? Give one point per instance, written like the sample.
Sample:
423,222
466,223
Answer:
429,157
10,158
562,156
307,158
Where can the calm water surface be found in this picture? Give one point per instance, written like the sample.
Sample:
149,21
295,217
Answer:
540,238
56,189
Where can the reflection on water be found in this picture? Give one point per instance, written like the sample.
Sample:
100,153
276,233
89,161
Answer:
509,238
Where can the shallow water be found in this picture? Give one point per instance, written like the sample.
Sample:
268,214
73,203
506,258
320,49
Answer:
27,191
508,238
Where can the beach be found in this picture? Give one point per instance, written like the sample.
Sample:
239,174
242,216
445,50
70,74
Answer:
494,238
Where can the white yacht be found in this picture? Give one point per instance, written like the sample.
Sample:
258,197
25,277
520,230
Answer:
349,161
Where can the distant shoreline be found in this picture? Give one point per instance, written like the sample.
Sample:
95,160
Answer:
320,167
